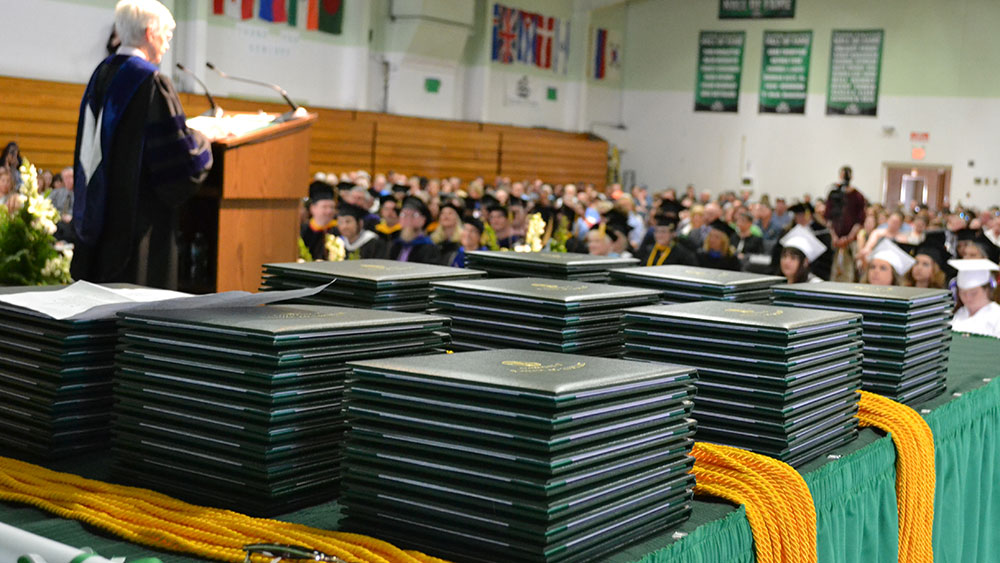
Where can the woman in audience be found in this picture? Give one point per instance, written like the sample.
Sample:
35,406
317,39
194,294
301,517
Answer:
8,196
798,248
11,160
888,264
977,312
928,268
717,252
448,234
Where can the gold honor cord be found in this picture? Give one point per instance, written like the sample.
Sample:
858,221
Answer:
915,474
778,503
149,518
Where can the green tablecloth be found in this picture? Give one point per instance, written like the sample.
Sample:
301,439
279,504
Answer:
855,494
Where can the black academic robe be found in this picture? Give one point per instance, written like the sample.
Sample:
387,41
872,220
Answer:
314,237
421,250
368,245
651,255
125,212
718,261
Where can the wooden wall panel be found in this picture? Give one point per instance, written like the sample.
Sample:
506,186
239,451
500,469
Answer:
41,116
526,154
413,147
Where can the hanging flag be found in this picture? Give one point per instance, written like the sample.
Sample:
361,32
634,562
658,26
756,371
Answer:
543,43
561,61
331,16
303,14
600,42
274,10
240,9
528,38
504,33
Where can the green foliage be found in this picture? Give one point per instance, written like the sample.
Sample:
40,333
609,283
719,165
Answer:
27,248
304,253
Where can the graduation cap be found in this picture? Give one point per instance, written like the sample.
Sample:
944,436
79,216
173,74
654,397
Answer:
665,220
721,225
889,251
937,253
936,237
476,224
516,202
671,207
617,224
419,206
388,198
568,212
488,201
992,251
973,273
800,208
345,185
319,191
455,204
345,209
805,241
400,189
966,234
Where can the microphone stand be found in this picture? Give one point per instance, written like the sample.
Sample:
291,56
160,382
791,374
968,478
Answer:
215,110
294,113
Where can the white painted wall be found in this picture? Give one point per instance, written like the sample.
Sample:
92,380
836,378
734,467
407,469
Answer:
670,145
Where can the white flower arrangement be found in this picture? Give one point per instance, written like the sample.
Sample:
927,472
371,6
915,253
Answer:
28,253
335,251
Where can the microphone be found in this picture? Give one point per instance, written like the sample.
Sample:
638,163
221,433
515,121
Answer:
284,117
215,110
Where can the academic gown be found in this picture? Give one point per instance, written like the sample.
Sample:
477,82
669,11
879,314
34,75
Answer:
420,249
718,261
986,321
652,255
368,245
314,237
135,163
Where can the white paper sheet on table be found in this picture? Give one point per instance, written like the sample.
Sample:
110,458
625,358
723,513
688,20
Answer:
85,301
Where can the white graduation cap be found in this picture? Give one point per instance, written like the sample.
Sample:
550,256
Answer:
803,239
973,273
894,255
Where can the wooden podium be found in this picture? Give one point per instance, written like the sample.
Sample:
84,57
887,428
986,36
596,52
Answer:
247,211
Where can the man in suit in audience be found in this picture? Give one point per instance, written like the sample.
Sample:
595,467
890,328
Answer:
135,160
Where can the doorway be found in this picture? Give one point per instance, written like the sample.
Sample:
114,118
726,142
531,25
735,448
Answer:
927,186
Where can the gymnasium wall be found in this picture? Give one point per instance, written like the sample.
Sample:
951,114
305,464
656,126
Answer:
938,61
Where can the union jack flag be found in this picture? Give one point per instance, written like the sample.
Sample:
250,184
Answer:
505,24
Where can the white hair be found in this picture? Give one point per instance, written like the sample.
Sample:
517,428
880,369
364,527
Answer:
133,17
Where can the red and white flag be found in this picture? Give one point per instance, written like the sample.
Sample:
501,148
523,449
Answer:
239,9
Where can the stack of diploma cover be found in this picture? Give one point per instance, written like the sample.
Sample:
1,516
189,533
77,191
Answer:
537,314
57,347
907,334
779,381
556,265
367,284
513,455
684,284
242,407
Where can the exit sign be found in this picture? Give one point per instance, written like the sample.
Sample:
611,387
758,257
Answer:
919,137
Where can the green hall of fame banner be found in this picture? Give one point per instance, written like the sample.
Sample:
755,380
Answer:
720,65
756,9
855,67
784,71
